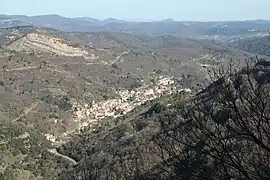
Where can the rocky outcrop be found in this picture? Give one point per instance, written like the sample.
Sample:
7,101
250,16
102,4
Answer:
45,43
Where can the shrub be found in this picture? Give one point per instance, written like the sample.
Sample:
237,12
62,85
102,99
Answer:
2,83
64,103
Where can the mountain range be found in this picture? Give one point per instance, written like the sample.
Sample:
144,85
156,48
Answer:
151,28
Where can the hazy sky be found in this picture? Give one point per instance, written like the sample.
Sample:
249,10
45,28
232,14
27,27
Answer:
143,9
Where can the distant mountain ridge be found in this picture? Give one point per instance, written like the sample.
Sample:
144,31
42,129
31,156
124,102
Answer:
256,45
150,28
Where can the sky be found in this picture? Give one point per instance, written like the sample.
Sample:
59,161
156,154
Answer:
181,10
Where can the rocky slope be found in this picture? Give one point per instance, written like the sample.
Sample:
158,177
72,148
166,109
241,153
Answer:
42,43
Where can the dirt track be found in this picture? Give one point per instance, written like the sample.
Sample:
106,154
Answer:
26,111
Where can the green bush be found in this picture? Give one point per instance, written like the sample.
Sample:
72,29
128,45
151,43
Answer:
2,83
64,103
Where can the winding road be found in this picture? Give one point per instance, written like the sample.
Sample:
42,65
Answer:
54,151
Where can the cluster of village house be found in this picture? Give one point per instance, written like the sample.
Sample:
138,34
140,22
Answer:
128,100
86,115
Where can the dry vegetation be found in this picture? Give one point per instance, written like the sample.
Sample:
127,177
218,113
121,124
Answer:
39,88
220,133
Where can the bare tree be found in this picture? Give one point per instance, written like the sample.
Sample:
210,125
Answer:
224,132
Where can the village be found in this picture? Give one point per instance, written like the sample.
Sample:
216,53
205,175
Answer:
129,99
86,115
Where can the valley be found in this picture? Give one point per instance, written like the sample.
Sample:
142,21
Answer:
77,104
